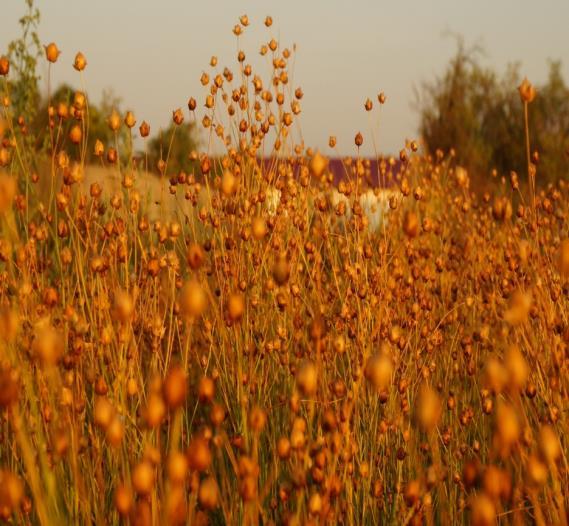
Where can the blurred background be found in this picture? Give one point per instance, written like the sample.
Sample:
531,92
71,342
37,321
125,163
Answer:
148,56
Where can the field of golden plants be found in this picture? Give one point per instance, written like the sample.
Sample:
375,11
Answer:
238,345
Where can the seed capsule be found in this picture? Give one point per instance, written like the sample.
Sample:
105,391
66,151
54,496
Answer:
4,65
206,390
193,299
178,117
52,53
144,129
235,307
114,121
80,62
199,454
527,91
318,165
143,478
123,500
75,134
175,387
307,379
411,224
129,119
208,494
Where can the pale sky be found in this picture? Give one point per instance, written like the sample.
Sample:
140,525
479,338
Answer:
152,52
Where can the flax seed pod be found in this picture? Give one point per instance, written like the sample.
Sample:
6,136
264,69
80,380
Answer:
259,228
175,387
75,134
99,148
123,306
199,454
4,66
80,62
11,493
411,224
129,119
235,306
103,412
379,370
527,91
428,408
123,500
192,299
483,511
177,467
318,164
51,52
217,415
507,427
144,129
208,494
257,419
178,117
155,410
206,390
516,368
115,432
195,256
549,445
229,183
307,379
47,344
114,121
143,478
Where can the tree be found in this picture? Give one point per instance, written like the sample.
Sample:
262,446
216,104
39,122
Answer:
24,53
479,114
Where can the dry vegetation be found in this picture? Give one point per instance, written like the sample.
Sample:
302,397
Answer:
217,360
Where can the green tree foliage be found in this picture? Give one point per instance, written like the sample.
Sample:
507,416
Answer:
478,113
24,53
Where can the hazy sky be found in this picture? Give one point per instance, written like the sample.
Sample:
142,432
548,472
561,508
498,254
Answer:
152,52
